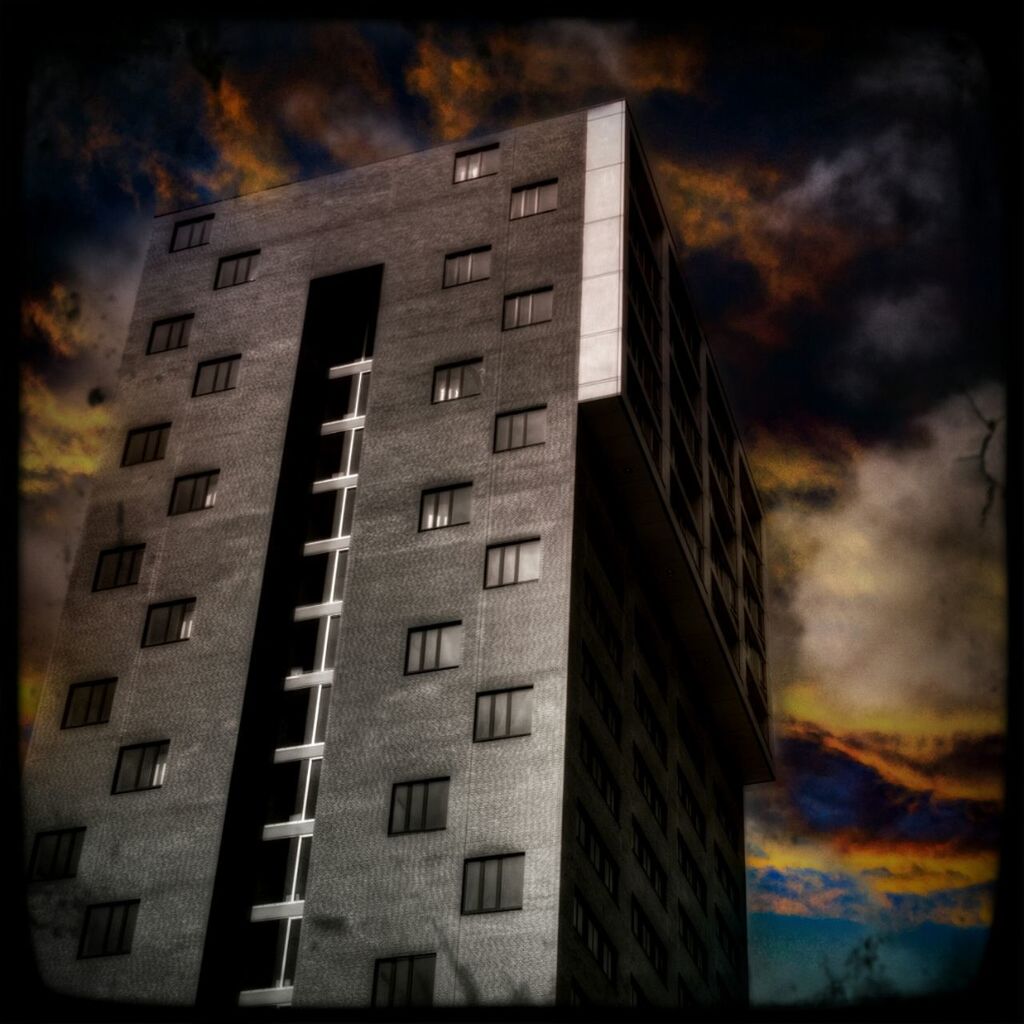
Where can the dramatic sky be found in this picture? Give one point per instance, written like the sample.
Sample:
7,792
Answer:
838,200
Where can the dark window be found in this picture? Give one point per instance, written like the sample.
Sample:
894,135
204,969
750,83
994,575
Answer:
517,562
476,163
520,429
691,741
650,719
108,929
596,686
190,233
691,806
727,818
216,375
118,567
457,380
194,492
433,647
603,621
693,944
237,269
594,937
55,854
503,713
727,940
637,996
470,265
404,980
649,863
418,806
169,622
599,772
89,703
493,883
649,789
146,444
331,513
528,308
169,334
530,199
338,454
445,506
648,648
141,766
597,852
650,942
726,879
347,395
692,872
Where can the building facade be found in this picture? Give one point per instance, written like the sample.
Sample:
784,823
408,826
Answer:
482,735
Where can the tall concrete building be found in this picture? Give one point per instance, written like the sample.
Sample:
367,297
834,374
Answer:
480,735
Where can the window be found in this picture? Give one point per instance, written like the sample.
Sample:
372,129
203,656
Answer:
169,334
347,395
194,492
146,444
503,713
596,851
727,940
118,567
691,941
108,929
433,647
520,429
726,879
190,233
637,996
476,163
599,690
457,380
471,265
727,818
338,454
692,872
55,854
649,863
594,936
649,718
418,806
141,766
649,789
404,980
650,942
602,620
599,772
445,506
517,562
216,375
237,269
691,807
530,199
169,622
89,703
493,883
528,308
690,739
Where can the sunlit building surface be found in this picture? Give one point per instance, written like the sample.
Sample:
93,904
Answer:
415,648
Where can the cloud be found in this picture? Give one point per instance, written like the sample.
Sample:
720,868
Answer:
56,319
805,892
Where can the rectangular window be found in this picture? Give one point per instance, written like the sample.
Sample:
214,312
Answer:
404,980
727,818
649,863
649,789
445,506
89,703
727,940
599,772
141,766
650,719
692,942
55,854
237,269
190,233
338,454
692,872
503,713
169,334
457,380
597,852
194,492
216,375
594,937
528,308
118,567
493,883
650,942
518,562
476,163
433,647
418,806
470,265
692,808
146,444
108,929
691,741
602,620
726,879
520,429
346,396
169,622
530,199
596,686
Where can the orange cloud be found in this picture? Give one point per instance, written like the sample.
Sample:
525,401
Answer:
57,318
821,459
